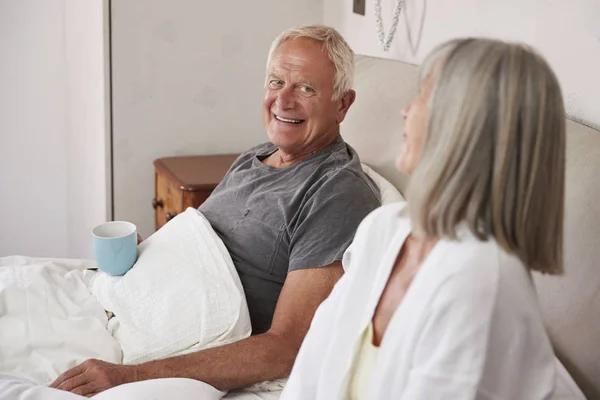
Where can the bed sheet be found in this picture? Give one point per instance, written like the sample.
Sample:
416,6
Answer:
270,390
242,395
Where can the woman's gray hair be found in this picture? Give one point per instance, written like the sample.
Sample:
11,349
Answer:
494,153
338,50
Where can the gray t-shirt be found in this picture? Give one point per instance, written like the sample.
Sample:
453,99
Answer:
277,220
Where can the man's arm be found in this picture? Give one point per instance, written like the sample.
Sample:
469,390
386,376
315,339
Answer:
258,358
262,357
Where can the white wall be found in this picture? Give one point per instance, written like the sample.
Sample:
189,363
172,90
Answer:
52,159
566,32
33,127
88,147
188,78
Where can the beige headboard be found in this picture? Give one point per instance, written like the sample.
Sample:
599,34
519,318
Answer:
571,304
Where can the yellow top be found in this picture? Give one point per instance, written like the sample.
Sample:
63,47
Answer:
362,367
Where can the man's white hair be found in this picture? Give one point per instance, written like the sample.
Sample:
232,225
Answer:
338,50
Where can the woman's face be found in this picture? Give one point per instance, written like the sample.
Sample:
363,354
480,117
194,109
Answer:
415,128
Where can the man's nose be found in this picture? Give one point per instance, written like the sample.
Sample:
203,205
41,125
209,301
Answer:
286,98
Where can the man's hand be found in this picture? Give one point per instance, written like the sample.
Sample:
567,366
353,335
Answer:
140,238
94,376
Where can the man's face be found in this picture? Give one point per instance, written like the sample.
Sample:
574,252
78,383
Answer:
298,111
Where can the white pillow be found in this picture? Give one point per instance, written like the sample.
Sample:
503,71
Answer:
182,294
389,193
165,388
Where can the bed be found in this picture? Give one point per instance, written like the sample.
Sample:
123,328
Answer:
82,329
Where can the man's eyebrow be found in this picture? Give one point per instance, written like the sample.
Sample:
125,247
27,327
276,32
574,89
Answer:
274,73
307,82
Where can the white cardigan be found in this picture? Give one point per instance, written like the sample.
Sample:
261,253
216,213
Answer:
469,326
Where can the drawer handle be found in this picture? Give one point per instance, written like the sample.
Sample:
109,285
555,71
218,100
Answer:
170,215
157,203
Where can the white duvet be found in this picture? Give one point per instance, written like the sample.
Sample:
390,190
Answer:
49,321
183,294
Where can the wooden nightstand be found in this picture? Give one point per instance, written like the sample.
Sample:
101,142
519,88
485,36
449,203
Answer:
182,182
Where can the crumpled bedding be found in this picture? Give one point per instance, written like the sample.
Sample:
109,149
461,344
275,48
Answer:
49,321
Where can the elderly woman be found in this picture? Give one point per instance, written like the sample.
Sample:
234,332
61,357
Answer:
438,301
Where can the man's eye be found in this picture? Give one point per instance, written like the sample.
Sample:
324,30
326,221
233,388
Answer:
306,89
274,83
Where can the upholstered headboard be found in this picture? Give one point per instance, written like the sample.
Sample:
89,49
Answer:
571,303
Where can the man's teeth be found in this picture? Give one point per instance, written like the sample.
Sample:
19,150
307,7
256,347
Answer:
292,121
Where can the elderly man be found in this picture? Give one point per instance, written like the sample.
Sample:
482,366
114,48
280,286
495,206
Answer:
286,211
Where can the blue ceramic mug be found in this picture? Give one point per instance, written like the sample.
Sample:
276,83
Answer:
115,246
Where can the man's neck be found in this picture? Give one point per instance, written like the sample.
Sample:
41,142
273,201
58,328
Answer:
282,159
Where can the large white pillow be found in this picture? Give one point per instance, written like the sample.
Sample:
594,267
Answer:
14,388
389,193
182,294
165,388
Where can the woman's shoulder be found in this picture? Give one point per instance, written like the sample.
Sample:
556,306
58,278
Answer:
388,215
382,224
480,272
375,234
467,255
469,252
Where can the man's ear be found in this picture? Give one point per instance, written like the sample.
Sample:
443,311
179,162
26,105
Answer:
344,105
